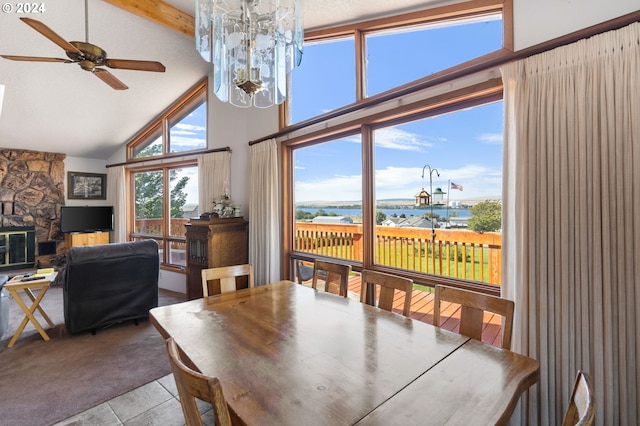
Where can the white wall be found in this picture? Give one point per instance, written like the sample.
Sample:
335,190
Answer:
536,21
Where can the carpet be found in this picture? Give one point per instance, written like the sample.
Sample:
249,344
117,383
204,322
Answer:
42,383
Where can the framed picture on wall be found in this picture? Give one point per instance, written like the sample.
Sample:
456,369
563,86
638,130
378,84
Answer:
86,186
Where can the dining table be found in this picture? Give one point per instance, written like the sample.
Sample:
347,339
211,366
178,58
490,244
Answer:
287,354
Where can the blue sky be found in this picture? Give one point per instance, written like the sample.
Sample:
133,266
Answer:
465,146
188,134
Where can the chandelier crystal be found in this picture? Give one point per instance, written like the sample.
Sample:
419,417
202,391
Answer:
253,46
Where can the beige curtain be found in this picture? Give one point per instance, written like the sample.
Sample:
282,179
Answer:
264,213
572,222
214,177
117,197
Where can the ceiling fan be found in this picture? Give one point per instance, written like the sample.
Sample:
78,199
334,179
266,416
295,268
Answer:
90,57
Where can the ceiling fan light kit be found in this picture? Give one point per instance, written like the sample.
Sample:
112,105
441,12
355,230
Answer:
253,46
90,57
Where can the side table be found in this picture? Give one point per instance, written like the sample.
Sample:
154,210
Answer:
16,284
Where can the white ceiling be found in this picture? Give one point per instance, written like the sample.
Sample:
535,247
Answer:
58,107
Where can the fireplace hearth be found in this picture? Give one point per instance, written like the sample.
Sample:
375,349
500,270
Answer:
17,247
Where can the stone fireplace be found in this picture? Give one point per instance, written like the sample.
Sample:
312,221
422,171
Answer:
31,193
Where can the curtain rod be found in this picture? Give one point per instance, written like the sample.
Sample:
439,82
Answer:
142,160
493,60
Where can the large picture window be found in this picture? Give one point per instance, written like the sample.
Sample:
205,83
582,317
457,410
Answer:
428,162
431,178
419,51
164,194
346,65
164,200
181,128
328,177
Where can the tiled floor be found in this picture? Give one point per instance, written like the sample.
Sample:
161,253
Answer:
155,403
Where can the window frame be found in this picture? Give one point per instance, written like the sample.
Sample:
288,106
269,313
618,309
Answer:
365,119
164,162
166,238
163,120
442,14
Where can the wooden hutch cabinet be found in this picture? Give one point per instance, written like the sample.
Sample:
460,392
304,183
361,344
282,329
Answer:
212,243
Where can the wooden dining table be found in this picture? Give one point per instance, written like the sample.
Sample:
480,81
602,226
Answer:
290,355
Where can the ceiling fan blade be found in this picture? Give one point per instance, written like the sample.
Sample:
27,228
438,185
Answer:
35,59
50,34
127,64
110,79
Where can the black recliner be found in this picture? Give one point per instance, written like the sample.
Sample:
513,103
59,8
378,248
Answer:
110,283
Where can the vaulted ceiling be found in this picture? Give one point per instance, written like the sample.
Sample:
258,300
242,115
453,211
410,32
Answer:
58,107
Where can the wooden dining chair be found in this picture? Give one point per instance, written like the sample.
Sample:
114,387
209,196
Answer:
226,278
191,385
581,410
326,270
388,285
303,271
473,305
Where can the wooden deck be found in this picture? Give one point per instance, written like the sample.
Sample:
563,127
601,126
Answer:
422,303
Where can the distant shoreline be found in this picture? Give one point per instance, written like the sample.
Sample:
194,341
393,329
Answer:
405,204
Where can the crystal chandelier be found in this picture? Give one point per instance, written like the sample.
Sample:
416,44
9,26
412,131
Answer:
253,45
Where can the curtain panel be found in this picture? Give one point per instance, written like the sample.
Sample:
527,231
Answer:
117,197
264,213
571,209
214,178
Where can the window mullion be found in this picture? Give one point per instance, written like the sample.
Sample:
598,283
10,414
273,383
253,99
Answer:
361,61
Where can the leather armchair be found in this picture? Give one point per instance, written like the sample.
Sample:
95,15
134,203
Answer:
110,283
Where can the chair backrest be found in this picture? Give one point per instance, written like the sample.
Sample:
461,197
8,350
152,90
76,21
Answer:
581,410
325,269
192,384
303,271
223,279
388,285
472,312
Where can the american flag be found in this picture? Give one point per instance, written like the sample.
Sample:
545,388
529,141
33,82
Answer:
456,186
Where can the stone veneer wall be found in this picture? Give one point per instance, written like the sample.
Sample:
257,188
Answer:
31,193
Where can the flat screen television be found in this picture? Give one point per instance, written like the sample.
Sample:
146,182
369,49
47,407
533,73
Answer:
86,218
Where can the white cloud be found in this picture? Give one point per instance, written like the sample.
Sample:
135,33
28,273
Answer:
192,127
336,188
394,138
491,138
186,141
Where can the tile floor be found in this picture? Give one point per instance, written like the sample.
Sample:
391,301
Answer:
155,403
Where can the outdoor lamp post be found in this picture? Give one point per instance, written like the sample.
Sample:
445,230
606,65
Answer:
433,231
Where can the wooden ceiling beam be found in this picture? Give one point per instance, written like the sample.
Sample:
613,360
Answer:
159,12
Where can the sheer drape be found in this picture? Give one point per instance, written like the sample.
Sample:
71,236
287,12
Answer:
214,177
571,249
117,197
264,214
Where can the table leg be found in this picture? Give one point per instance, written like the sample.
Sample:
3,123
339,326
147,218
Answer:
28,316
33,299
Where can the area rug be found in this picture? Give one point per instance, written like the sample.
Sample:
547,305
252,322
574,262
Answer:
42,383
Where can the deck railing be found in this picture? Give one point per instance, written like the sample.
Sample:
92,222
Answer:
454,253
154,226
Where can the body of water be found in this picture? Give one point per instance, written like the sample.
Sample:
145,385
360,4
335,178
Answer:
442,212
